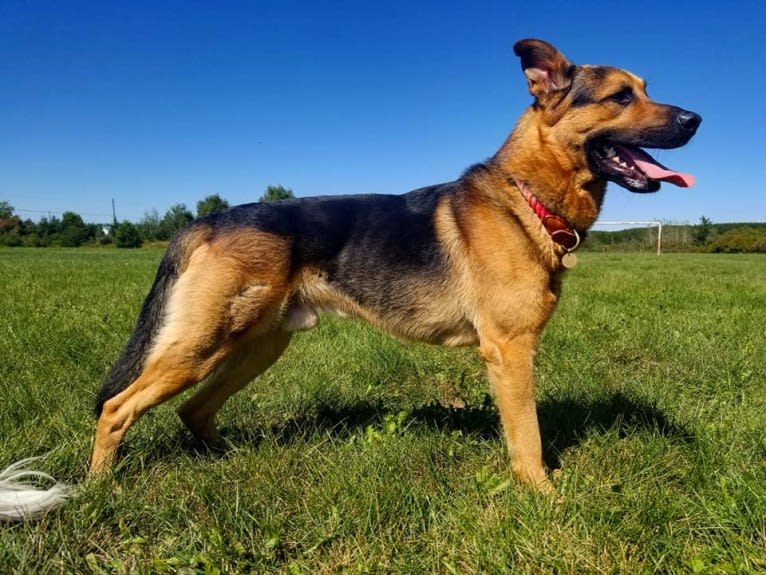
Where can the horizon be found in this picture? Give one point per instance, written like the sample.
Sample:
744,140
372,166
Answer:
168,104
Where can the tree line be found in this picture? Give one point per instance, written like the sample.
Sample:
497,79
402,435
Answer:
72,231
704,237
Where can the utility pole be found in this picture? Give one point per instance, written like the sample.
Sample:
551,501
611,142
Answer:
114,213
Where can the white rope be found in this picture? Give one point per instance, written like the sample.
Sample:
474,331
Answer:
21,496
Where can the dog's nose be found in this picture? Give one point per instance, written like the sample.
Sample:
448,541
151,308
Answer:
689,121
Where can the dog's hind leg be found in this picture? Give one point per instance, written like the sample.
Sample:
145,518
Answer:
252,356
161,379
248,361
213,305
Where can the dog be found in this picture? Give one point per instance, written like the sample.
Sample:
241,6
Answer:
476,261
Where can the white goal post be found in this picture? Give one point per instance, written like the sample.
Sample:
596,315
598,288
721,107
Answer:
633,223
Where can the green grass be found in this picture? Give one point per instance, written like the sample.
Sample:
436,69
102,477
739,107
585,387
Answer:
360,454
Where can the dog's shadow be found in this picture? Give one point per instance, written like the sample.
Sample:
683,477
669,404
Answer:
564,423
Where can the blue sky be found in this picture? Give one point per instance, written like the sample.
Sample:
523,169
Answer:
155,103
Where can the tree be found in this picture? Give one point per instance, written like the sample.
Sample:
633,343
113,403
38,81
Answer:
74,232
703,230
11,227
276,193
126,235
150,226
48,230
211,205
175,218
6,210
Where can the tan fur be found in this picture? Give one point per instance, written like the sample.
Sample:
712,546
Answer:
226,297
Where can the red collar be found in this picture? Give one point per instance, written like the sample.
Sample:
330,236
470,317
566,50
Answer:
557,227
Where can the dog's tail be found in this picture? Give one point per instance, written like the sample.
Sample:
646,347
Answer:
20,494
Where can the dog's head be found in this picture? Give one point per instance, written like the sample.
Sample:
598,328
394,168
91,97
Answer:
603,116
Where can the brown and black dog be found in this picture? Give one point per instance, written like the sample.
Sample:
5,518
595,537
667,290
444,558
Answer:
476,261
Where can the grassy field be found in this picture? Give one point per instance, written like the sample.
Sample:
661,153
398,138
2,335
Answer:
360,454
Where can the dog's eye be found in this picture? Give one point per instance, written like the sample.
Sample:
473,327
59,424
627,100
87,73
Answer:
623,97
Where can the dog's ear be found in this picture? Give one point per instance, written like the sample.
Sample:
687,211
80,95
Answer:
547,70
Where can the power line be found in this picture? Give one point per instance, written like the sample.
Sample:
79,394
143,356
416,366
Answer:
89,214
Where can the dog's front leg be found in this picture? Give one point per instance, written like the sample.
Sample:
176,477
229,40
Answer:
511,374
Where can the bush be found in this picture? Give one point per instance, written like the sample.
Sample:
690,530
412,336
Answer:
10,229
126,236
740,240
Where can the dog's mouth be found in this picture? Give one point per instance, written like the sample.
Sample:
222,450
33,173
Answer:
632,168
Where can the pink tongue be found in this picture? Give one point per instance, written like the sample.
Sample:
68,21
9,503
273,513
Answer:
655,170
